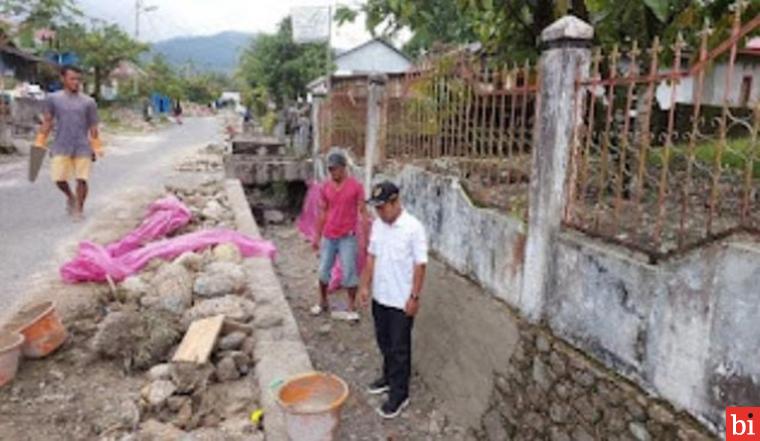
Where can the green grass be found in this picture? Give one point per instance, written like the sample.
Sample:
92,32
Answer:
736,155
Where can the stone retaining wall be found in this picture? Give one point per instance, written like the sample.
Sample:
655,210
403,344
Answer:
551,391
680,329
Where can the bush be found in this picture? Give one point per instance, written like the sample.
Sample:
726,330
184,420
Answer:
268,122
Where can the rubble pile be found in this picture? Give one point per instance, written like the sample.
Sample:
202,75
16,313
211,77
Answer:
130,341
152,311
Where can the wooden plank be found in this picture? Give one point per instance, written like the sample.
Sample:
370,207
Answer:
199,340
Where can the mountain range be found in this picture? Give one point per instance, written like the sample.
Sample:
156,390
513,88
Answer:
212,53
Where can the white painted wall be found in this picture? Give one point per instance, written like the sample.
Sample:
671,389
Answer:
715,83
713,91
684,92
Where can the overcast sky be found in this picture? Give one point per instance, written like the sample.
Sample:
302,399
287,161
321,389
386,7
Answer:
204,17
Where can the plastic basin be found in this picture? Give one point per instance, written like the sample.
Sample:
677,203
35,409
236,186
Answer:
10,353
41,327
312,403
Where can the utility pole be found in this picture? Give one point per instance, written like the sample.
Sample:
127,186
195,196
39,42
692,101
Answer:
138,7
329,40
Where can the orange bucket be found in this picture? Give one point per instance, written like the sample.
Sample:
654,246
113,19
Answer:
42,328
10,352
312,403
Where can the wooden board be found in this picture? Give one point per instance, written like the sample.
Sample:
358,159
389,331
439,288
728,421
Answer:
199,340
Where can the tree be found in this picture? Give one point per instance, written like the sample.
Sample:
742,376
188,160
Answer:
101,48
37,14
204,87
163,79
281,66
512,27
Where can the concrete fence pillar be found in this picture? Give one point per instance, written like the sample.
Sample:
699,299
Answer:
567,53
372,151
317,104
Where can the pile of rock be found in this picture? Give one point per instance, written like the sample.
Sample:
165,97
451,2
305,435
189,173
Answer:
191,396
207,201
147,315
203,162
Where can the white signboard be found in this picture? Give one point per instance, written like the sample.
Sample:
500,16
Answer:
311,24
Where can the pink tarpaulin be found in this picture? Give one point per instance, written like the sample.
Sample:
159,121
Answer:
307,225
93,262
119,260
164,216
307,221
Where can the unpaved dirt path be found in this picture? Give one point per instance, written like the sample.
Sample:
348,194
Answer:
349,351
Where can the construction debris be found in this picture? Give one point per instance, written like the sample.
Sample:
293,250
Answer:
129,375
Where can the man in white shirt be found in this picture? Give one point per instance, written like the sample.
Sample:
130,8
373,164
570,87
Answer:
395,270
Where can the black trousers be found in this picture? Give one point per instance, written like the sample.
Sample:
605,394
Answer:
393,330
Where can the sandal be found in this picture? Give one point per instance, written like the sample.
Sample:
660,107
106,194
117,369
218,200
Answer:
318,309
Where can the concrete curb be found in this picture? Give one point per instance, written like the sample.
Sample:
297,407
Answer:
280,352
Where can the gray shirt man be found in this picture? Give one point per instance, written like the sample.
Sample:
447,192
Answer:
74,114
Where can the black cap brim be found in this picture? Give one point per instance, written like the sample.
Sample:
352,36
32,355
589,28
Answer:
374,202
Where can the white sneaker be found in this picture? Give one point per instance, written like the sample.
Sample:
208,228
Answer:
391,410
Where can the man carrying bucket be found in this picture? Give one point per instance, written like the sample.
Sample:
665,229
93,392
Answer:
341,206
77,142
395,270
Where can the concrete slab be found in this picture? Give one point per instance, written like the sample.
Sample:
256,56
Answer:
280,351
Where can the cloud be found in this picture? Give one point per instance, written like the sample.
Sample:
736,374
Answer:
204,17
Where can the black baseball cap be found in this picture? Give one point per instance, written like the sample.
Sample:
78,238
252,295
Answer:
383,192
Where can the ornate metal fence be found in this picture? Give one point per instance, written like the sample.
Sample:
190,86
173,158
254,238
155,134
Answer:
343,121
666,157
464,116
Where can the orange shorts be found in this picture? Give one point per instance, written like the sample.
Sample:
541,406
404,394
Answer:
64,168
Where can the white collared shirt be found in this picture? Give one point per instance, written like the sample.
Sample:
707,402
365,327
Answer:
397,248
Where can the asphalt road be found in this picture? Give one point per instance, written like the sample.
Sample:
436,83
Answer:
33,219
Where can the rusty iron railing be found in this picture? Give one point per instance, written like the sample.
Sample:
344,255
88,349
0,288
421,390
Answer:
666,157
461,115
343,120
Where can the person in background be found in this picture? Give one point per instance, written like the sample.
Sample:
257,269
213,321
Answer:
178,111
77,145
394,274
341,207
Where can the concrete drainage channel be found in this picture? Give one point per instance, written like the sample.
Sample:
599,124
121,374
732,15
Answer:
114,379
282,351
276,203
